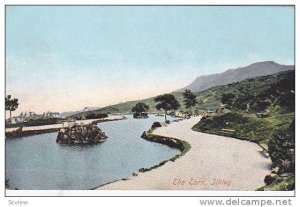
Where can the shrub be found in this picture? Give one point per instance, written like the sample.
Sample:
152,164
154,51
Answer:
228,99
155,125
260,106
287,101
282,146
82,117
96,116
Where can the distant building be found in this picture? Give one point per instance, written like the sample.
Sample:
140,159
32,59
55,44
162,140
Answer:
25,117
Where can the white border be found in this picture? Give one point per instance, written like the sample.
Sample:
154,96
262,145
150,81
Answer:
134,193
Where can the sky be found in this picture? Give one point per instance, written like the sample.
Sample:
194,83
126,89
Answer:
63,58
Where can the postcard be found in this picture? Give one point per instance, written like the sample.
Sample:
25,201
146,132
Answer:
139,100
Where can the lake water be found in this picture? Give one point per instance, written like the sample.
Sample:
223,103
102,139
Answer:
39,163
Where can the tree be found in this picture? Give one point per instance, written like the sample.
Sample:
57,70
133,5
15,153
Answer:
166,102
11,104
227,99
282,146
139,110
140,107
189,99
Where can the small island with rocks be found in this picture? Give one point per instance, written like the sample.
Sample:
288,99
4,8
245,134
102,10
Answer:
81,135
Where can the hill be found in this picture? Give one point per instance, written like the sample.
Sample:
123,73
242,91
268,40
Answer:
209,99
204,82
265,103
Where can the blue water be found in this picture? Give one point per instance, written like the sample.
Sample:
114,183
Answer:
39,163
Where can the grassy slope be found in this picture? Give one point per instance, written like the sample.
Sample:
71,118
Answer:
246,126
246,123
212,96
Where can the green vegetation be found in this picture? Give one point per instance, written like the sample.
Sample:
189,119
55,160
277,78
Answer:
139,110
262,110
211,98
81,117
282,153
259,107
11,104
140,107
276,97
88,115
227,99
189,99
282,145
244,126
167,102
96,116
282,183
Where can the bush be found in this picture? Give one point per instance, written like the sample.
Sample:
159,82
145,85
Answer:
260,106
287,101
282,146
38,122
81,117
96,116
156,125
227,99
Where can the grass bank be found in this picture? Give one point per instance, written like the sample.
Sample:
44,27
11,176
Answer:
183,146
244,126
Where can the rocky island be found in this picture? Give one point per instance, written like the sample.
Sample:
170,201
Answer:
81,135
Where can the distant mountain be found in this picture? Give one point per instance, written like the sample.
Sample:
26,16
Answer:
70,113
204,82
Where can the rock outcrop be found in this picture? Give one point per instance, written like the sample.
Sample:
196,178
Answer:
142,115
81,135
156,125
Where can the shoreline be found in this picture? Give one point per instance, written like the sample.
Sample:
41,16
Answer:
181,145
194,174
35,130
171,142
